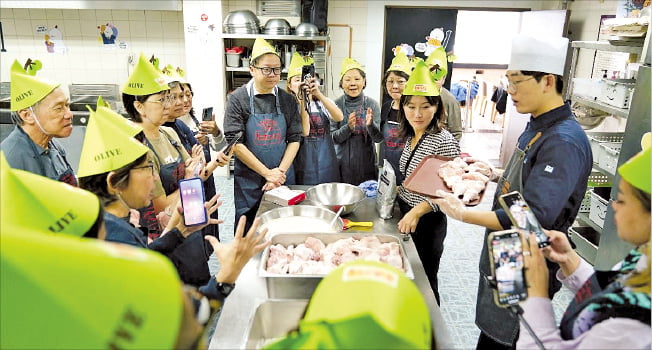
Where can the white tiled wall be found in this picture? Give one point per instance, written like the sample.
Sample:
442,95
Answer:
87,60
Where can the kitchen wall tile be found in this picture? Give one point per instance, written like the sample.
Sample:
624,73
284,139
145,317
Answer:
53,14
104,16
6,14
36,13
35,23
153,16
21,13
171,16
359,17
9,27
70,14
138,15
124,31
171,30
339,15
359,32
89,28
120,15
154,30
339,3
137,29
71,28
87,15
359,4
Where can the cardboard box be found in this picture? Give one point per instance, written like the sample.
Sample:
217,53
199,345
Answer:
284,196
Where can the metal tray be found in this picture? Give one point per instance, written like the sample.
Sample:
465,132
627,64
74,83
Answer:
274,319
288,286
318,214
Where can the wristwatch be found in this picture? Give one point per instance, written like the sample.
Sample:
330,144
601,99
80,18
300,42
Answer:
225,288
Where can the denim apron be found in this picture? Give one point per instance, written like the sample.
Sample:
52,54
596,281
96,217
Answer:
393,147
494,321
266,134
67,175
316,161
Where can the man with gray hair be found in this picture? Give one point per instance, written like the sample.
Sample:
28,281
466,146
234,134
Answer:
41,111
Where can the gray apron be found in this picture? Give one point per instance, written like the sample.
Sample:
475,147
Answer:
494,321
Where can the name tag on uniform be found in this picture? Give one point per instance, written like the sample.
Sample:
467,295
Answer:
548,169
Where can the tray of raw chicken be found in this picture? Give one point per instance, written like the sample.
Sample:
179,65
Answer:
466,180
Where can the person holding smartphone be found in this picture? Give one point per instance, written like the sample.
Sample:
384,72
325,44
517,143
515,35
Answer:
611,309
422,128
270,124
394,81
316,161
550,168
355,136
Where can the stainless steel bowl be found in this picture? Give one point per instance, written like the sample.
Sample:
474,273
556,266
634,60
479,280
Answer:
277,26
241,22
316,218
335,195
306,29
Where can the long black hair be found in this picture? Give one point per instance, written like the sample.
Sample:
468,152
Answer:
436,124
97,183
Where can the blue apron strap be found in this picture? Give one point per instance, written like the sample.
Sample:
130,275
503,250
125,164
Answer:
251,99
278,104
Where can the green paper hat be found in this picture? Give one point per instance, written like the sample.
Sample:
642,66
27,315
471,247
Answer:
439,60
108,145
636,170
85,294
26,90
347,64
363,304
421,82
31,201
173,74
400,63
129,127
262,47
296,65
145,79
32,67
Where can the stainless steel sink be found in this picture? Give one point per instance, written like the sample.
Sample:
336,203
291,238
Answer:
274,319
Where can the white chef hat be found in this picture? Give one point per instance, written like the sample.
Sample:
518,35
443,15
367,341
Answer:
545,54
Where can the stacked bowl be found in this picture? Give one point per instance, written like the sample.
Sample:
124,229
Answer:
277,26
241,22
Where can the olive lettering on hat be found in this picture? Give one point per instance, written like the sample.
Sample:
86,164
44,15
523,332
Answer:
136,85
24,95
420,88
107,154
64,221
129,322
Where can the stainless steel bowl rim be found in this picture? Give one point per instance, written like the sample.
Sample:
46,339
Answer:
296,210
306,29
312,195
241,17
277,23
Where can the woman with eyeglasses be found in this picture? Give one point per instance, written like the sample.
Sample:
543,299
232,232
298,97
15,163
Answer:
268,120
393,84
355,136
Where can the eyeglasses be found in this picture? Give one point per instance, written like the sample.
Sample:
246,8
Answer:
269,70
512,85
397,82
163,100
150,166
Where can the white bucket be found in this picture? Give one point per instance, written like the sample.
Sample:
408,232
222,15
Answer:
233,59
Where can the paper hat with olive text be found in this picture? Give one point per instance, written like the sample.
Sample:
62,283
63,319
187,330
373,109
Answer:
26,89
129,127
85,293
108,144
421,82
145,79
545,54
30,201
437,61
262,47
400,63
636,170
349,63
363,305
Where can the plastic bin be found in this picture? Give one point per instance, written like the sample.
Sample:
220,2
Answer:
608,159
599,203
586,241
596,179
598,138
232,59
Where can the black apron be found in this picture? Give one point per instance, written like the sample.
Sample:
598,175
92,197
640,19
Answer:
358,157
393,147
266,133
316,161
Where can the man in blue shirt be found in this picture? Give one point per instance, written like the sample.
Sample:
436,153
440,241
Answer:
41,111
550,167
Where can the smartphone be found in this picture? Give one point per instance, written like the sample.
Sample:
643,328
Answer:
522,216
230,145
307,72
192,201
506,248
207,114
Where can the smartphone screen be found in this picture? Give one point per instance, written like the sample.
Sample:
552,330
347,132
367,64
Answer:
207,114
506,250
307,72
192,201
522,216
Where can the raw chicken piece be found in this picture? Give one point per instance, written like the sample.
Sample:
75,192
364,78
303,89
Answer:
371,242
343,245
475,176
304,253
393,260
479,167
448,171
451,180
458,163
315,244
472,191
296,266
280,268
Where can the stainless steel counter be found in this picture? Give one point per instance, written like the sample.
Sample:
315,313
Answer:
238,310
